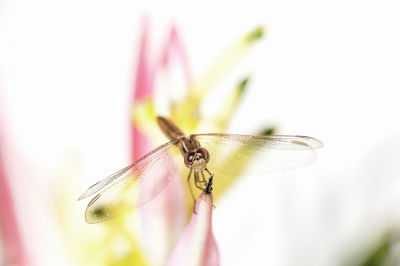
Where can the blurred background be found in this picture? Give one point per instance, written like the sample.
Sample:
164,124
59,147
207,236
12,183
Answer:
325,69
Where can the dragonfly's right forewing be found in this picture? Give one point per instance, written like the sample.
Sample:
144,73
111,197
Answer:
135,185
103,183
246,154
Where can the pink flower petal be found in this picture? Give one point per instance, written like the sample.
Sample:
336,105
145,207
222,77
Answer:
163,217
140,144
163,221
197,245
143,89
174,53
144,74
14,250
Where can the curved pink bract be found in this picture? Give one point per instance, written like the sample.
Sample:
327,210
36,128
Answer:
197,245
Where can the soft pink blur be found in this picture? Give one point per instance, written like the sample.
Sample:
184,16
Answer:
143,89
164,217
13,247
14,250
197,245
175,53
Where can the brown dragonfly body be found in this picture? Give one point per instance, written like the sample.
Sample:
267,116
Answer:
230,154
195,157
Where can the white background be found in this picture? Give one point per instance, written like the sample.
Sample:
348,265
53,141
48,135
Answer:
326,69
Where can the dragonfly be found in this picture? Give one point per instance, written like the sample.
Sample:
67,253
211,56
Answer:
231,154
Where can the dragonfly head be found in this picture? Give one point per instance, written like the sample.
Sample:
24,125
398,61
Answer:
197,159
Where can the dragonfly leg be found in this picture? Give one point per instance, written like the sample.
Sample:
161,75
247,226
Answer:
198,186
202,176
209,172
190,187
197,181
208,185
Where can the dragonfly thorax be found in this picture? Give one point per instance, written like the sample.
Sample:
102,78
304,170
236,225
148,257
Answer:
197,159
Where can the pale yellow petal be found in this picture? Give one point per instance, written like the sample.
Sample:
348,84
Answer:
226,62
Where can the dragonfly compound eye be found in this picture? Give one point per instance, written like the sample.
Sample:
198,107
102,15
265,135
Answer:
202,152
189,157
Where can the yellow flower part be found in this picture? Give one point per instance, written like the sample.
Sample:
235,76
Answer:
107,244
186,114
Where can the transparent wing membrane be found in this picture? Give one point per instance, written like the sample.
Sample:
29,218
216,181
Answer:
133,186
141,181
101,184
246,154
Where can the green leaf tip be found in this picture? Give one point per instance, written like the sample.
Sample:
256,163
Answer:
379,257
267,131
242,85
255,34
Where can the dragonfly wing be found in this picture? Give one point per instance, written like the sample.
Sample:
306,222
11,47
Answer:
108,180
246,154
138,184
101,184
